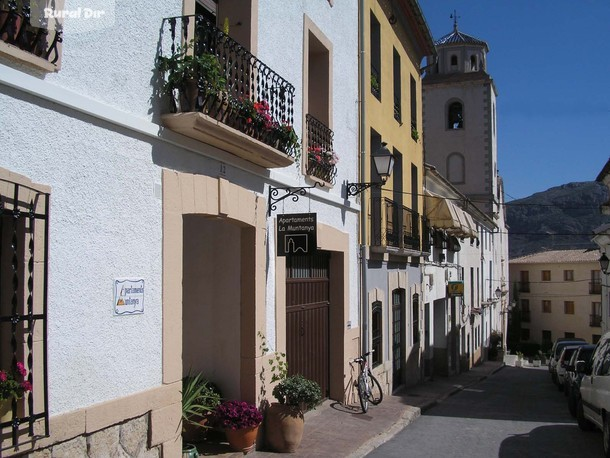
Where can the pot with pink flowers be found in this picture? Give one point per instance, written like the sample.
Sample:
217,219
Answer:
13,385
240,421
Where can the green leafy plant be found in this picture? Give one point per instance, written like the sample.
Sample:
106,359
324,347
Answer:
184,65
375,86
414,134
199,398
297,390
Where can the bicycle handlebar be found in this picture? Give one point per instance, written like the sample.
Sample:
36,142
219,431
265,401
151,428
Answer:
361,357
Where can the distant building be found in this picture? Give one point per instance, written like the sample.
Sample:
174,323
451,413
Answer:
557,294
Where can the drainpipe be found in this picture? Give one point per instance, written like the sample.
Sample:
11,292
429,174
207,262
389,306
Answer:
364,317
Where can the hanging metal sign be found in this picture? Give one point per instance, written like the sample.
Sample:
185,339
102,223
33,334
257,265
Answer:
455,289
296,234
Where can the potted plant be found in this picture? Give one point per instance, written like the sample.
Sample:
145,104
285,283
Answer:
192,75
285,419
13,386
240,421
200,397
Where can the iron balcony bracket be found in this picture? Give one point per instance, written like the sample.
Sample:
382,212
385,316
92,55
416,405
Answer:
295,193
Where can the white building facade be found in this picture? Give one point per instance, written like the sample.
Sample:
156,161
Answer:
157,254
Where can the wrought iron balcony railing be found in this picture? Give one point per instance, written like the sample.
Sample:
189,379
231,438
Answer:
398,226
595,321
28,30
595,287
207,71
321,158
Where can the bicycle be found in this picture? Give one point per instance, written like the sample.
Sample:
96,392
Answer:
369,388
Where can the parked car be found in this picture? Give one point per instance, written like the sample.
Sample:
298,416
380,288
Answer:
556,352
595,392
563,361
572,378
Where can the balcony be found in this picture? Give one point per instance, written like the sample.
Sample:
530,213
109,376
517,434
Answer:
595,321
398,226
595,287
321,158
221,94
26,34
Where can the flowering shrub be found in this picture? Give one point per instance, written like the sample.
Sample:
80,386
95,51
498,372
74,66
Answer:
322,156
10,386
237,415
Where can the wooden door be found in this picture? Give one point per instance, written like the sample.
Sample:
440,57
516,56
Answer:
307,317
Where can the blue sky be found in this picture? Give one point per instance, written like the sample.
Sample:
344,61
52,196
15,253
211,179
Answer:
550,60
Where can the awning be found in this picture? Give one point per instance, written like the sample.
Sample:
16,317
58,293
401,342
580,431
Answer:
444,214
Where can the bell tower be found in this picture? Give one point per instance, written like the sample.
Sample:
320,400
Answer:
459,114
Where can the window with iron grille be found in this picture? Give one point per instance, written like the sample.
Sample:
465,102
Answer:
377,331
24,210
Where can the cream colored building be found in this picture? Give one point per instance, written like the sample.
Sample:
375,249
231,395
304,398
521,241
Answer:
558,294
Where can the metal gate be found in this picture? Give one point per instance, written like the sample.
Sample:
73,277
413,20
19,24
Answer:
307,317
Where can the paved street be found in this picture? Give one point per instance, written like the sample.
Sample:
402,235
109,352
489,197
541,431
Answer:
517,412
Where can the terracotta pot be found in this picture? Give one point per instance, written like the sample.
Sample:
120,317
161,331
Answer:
189,95
242,440
284,427
195,432
12,26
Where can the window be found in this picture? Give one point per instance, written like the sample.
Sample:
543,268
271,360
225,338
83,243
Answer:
36,41
24,223
525,310
547,337
568,307
546,306
415,317
595,286
524,281
375,57
546,275
377,331
414,133
456,168
568,275
525,334
454,60
473,63
397,93
596,314
569,335
455,116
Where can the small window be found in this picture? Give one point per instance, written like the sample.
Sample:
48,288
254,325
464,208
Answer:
568,308
454,60
547,337
546,275
473,63
455,118
397,88
415,318
568,275
375,57
546,306
377,331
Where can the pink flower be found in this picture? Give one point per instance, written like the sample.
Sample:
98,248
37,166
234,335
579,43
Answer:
21,369
3,376
26,386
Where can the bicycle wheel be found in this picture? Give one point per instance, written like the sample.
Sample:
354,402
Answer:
363,392
375,393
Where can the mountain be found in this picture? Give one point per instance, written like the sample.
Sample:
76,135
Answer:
559,218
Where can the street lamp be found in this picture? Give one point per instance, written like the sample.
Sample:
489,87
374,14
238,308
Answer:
603,263
383,160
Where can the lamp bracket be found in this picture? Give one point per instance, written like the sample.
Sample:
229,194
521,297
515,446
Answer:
353,189
295,193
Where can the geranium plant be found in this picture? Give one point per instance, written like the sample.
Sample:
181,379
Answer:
322,155
237,415
10,384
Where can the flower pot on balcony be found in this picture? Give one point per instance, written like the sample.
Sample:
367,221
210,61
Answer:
10,24
6,411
